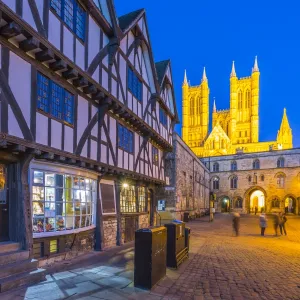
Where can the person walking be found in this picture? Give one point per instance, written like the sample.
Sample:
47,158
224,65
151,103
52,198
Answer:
263,223
236,223
282,221
276,223
255,210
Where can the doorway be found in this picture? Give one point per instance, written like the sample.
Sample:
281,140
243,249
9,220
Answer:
257,200
150,208
4,205
225,205
290,205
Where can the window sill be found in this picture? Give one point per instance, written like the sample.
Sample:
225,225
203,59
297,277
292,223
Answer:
53,118
64,232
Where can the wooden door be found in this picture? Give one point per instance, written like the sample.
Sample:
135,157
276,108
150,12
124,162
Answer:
130,227
4,213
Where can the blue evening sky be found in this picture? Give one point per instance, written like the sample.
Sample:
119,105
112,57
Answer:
212,33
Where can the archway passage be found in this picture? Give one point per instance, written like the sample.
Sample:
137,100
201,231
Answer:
225,204
290,205
257,200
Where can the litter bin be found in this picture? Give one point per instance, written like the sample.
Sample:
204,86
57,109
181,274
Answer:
187,237
186,217
150,256
177,251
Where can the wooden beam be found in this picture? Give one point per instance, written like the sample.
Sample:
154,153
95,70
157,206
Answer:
18,148
90,89
48,155
30,44
10,30
70,74
58,65
71,161
98,96
80,82
44,55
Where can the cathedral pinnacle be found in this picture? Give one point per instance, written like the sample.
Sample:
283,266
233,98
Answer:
185,82
233,74
214,108
255,68
204,78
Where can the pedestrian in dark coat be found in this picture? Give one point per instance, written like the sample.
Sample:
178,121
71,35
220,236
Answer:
255,210
282,221
263,223
236,223
276,223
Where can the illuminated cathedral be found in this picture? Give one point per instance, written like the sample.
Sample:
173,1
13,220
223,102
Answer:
234,130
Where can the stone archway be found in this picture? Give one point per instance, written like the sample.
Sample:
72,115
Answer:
224,204
290,204
255,196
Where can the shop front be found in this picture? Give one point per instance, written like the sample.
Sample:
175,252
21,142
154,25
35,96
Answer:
4,206
63,209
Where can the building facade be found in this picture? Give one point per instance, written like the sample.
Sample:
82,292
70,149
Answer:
269,181
86,120
233,129
188,188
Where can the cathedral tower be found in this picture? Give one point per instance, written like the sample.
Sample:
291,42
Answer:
195,113
244,106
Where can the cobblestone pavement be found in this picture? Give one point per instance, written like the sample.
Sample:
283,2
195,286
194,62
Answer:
221,266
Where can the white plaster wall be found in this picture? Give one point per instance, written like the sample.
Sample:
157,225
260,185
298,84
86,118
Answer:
104,79
27,14
13,126
68,41
114,87
94,40
113,132
69,140
56,132
120,158
82,113
126,160
80,55
84,150
111,162
136,144
123,44
54,30
41,129
94,150
103,154
96,75
130,162
20,83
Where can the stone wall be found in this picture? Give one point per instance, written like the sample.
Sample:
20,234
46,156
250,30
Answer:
109,232
189,181
68,246
264,179
144,221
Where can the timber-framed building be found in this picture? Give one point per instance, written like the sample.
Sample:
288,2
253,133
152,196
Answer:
86,118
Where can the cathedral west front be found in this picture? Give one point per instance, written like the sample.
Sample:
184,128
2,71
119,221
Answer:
234,130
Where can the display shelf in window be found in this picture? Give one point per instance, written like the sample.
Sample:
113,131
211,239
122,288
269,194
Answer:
60,223
38,177
50,224
38,209
38,225
50,194
49,179
38,193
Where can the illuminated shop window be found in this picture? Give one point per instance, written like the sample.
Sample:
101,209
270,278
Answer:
62,202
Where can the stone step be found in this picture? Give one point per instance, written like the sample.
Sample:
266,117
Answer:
22,279
12,257
9,247
18,267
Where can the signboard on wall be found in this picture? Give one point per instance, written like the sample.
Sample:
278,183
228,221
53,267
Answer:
161,205
107,196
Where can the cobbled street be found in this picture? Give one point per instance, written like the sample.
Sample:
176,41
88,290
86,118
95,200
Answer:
221,266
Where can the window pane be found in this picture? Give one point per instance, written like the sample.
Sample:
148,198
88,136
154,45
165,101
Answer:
60,223
49,179
38,177
50,194
43,93
80,22
69,13
38,193
56,5
38,225
56,101
38,209
69,108
50,224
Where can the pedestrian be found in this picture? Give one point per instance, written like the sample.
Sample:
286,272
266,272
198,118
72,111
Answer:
263,223
236,223
276,223
282,221
255,210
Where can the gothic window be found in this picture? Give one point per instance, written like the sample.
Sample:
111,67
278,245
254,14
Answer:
280,162
233,182
275,203
233,166
256,164
192,107
280,181
215,167
247,99
249,179
262,177
238,203
215,183
198,105
240,100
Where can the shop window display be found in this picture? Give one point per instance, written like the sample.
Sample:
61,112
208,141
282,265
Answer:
62,202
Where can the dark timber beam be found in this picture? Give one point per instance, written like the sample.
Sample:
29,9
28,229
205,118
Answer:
91,89
44,55
71,161
98,96
70,74
48,155
18,148
10,30
58,65
29,44
80,82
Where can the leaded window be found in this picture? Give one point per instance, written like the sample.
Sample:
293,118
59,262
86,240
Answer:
128,199
275,203
125,139
256,164
233,166
54,100
163,117
280,162
238,203
62,202
215,167
280,181
73,15
134,85
216,182
233,182
142,199
155,155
